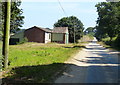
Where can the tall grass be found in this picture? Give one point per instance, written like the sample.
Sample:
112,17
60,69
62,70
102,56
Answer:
0,55
23,56
86,38
37,61
111,44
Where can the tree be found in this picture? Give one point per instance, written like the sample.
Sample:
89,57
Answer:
6,32
107,20
75,27
112,0
16,16
90,31
108,23
117,41
0,37
1,20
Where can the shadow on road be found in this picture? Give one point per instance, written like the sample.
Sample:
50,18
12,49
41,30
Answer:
48,73
97,48
76,46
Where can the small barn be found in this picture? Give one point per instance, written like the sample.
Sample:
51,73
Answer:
38,34
60,35
17,37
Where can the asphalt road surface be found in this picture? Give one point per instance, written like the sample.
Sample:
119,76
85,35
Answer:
94,64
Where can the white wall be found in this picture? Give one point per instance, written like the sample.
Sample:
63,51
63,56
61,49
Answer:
47,37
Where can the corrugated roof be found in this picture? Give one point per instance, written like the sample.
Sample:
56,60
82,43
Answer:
60,30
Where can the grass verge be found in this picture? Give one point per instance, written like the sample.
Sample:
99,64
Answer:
109,46
34,62
86,39
0,56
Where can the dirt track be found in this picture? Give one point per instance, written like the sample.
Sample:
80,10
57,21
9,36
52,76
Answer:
94,64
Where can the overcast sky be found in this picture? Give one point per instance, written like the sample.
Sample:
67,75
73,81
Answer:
44,13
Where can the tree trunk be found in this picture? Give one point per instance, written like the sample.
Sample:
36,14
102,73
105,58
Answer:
6,33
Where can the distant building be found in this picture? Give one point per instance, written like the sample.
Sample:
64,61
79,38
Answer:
38,34
17,37
42,35
60,35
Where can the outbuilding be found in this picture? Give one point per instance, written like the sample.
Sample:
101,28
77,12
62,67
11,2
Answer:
60,35
38,34
41,35
17,37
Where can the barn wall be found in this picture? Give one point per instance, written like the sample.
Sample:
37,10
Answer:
35,35
60,37
57,37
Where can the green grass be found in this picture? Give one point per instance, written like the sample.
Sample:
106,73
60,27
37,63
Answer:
110,44
86,38
108,39
33,62
0,55
0,46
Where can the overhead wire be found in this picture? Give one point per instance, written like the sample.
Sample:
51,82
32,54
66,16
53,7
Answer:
66,15
62,8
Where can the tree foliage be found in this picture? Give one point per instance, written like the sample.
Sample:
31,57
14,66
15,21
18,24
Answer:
72,23
90,31
108,20
1,23
108,23
16,16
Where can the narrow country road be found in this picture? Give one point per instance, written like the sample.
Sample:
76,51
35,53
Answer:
94,64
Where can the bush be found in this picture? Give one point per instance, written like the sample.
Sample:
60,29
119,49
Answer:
23,41
117,41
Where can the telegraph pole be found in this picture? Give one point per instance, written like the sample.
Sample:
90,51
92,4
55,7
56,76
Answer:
74,31
6,32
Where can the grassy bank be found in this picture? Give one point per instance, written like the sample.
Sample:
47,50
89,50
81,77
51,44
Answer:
33,62
110,44
86,38
0,47
0,55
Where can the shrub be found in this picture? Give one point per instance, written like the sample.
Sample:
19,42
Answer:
23,41
117,41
